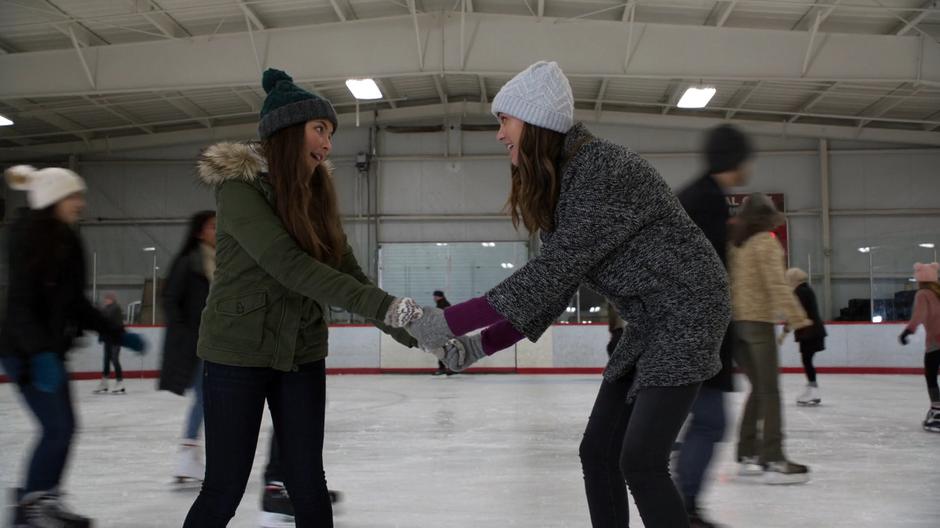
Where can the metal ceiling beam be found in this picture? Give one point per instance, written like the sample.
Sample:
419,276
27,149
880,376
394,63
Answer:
338,10
483,98
121,114
904,28
601,92
663,52
189,108
672,96
406,114
811,102
725,13
82,33
250,13
745,97
65,124
438,86
886,104
824,9
250,98
389,91
160,19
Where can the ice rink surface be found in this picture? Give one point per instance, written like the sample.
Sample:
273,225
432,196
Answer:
502,451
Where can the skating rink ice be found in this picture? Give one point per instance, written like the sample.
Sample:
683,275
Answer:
502,450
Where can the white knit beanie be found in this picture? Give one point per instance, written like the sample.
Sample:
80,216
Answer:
540,95
44,187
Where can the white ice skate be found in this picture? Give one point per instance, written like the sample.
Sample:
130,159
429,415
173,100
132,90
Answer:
809,398
750,467
932,421
103,387
119,388
189,467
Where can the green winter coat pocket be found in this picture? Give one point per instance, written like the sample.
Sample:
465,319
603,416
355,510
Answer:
239,321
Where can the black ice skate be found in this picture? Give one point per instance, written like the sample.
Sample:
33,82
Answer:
44,508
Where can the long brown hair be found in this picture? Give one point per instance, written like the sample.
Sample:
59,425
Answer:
536,181
932,286
306,203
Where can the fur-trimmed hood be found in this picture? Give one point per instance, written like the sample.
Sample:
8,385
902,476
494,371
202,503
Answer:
224,162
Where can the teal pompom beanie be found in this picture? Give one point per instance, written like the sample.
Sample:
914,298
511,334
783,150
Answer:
288,104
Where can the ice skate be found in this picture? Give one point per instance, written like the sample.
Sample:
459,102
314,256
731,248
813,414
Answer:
190,470
810,397
103,387
119,388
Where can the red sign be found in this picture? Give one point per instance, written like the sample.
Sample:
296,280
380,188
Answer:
735,201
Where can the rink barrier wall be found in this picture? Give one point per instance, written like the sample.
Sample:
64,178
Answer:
852,348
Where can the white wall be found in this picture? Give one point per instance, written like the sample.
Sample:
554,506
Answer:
142,186
562,348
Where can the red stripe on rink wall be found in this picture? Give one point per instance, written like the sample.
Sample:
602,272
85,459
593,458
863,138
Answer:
151,374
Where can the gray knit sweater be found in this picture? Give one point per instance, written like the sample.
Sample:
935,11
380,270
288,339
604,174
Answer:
620,230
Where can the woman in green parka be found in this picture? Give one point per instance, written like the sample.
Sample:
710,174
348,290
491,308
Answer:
282,259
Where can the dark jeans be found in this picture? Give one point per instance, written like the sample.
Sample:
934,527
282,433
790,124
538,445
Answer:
112,354
808,366
272,470
56,417
629,444
706,428
234,403
931,365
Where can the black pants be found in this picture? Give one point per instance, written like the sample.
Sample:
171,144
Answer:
931,365
629,444
112,354
808,366
234,402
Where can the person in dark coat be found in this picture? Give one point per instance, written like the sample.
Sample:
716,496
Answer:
112,351
812,339
46,309
440,300
184,297
728,155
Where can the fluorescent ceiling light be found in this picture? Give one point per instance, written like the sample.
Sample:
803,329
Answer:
927,245
149,249
364,89
5,121
864,249
877,319
696,97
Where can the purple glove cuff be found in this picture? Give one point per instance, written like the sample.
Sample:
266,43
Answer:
500,336
471,315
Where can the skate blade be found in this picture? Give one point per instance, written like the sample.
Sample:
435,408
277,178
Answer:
186,484
932,428
810,403
276,520
779,479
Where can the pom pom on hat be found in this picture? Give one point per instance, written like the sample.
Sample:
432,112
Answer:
44,187
273,76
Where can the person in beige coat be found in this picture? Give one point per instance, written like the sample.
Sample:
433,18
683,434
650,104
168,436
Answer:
760,296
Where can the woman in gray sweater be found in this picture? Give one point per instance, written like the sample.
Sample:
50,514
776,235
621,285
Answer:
607,220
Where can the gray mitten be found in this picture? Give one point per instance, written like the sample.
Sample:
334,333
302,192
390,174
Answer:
430,329
461,352
402,311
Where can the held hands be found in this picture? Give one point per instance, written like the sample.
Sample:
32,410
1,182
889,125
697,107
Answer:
461,352
430,329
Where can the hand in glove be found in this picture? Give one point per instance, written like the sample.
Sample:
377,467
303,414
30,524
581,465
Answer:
47,371
431,329
403,337
461,352
402,311
903,337
134,341
782,338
